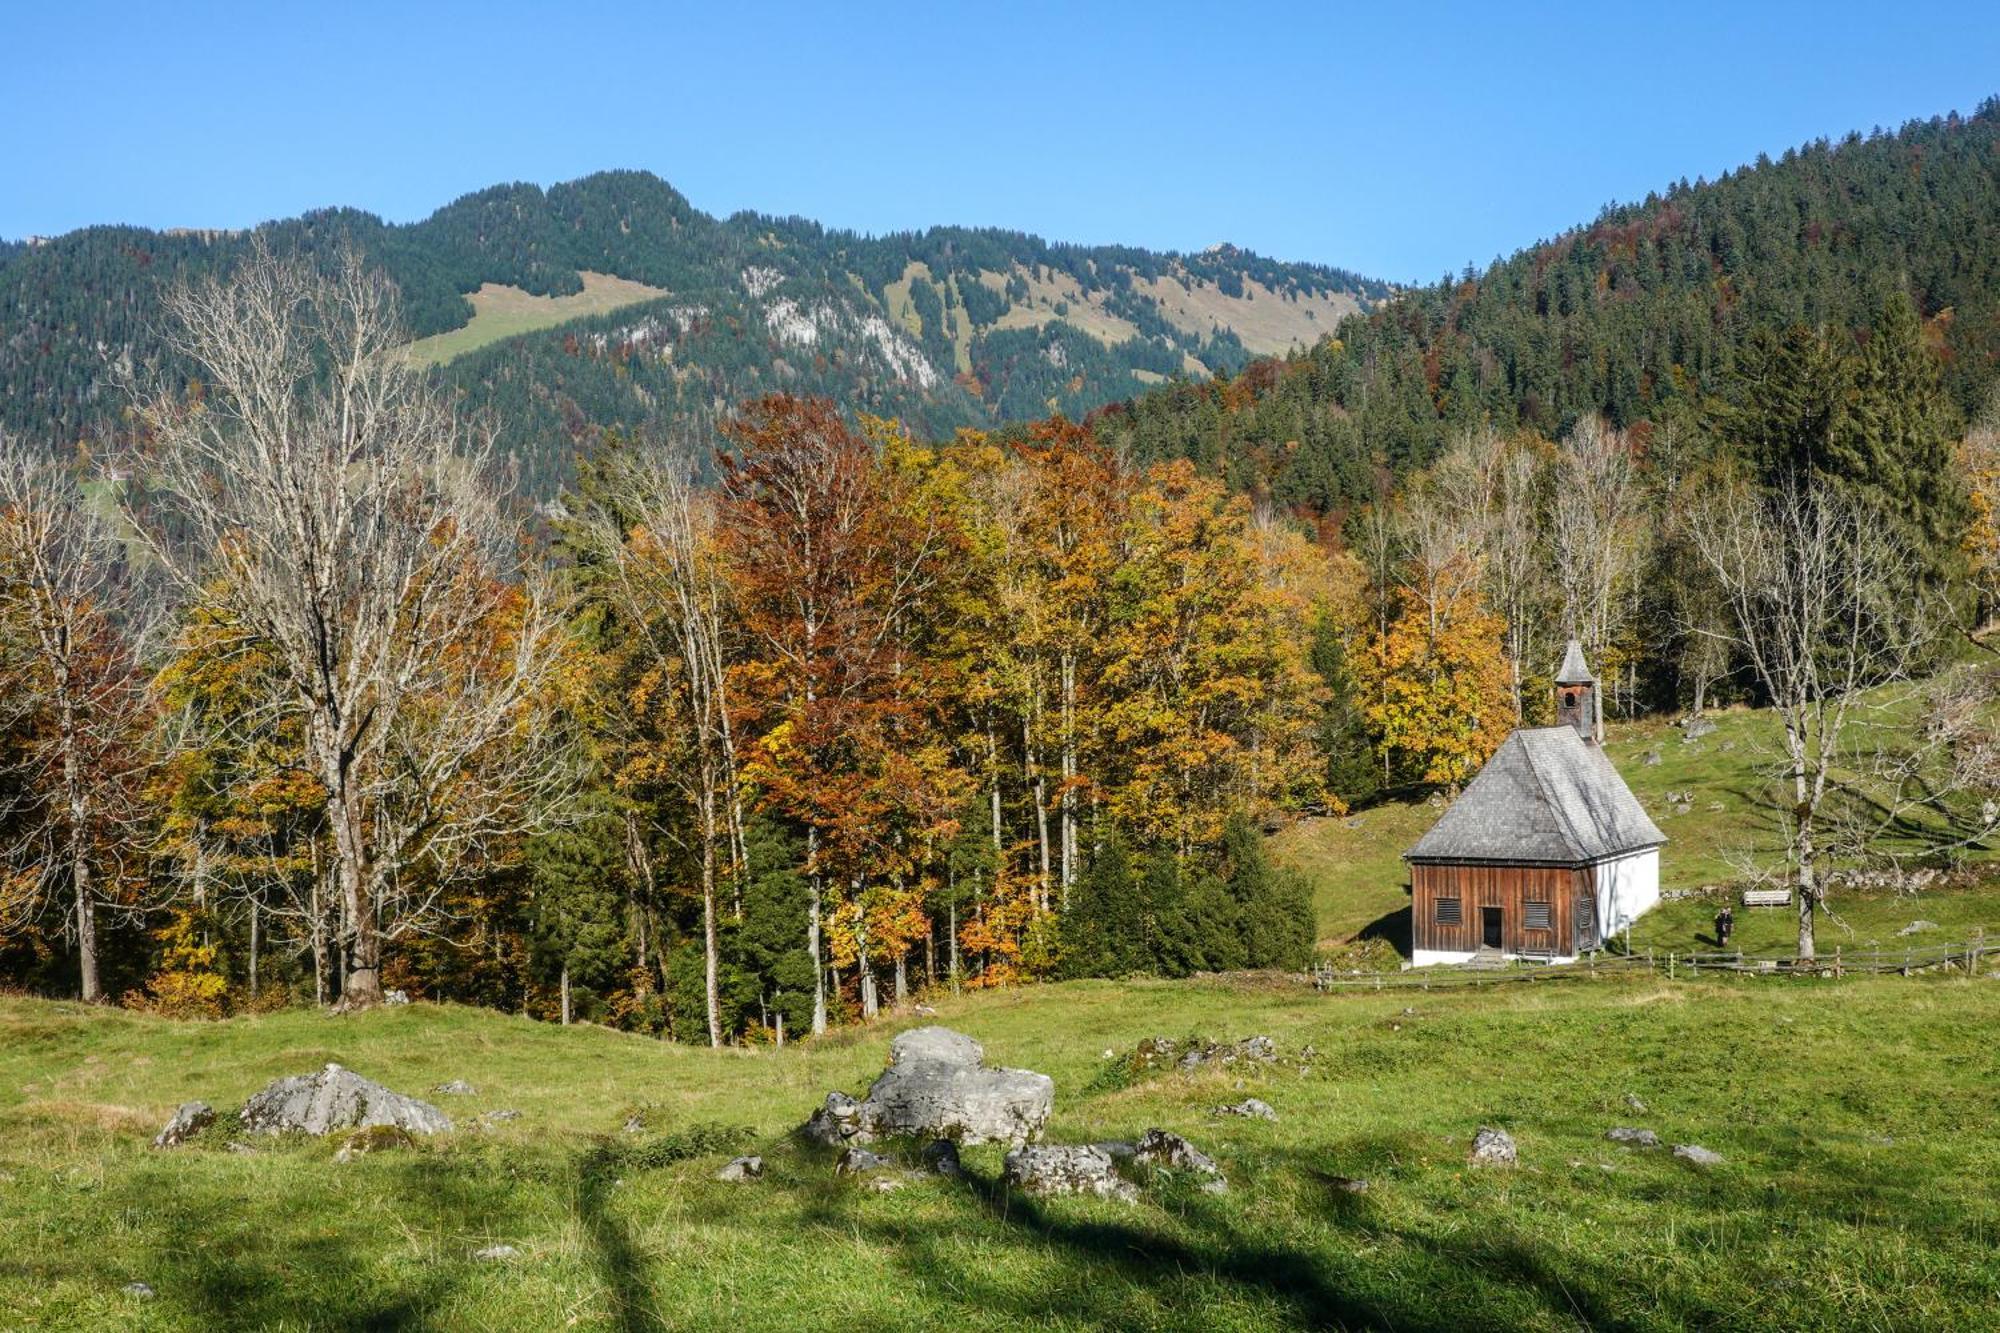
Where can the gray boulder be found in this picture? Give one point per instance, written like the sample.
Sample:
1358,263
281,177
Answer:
395,997
937,1086
1260,1050
191,1119
1158,1148
337,1098
142,1291
1046,1170
458,1087
1918,927
494,1254
1249,1107
1633,1138
1698,1155
741,1169
1493,1147
1695,727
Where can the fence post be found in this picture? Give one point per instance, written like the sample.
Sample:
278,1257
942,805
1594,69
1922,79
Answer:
1670,966
1836,962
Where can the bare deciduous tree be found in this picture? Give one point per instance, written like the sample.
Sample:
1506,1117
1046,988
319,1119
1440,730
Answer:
321,495
1821,605
1593,531
669,589
67,615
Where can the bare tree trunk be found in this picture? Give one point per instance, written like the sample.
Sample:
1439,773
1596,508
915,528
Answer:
256,923
77,851
870,1003
813,935
565,995
1068,827
902,983
954,946
363,984
711,992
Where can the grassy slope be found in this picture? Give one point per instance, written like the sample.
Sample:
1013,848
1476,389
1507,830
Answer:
502,312
1853,1195
1358,877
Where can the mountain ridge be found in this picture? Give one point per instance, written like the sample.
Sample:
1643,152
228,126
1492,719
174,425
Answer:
946,326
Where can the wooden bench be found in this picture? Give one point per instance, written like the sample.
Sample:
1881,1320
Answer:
1767,897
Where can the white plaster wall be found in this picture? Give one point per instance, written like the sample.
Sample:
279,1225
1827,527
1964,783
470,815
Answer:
1432,957
1627,889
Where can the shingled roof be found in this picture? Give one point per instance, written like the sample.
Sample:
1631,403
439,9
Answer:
1574,671
1546,797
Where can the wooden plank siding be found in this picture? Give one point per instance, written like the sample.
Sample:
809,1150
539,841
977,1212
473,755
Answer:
1568,891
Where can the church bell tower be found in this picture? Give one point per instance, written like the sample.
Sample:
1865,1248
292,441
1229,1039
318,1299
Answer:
1576,695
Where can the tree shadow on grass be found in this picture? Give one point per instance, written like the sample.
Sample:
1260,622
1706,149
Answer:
619,1264
227,1259
1396,927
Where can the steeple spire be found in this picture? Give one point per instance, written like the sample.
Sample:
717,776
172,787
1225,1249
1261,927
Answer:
1576,694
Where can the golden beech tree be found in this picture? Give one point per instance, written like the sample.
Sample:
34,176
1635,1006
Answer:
1438,681
1206,679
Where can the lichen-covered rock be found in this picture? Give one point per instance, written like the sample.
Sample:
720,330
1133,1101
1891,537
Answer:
1633,1138
741,1169
1259,1050
833,1124
458,1087
337,1098
1045,1170
937,1086
494,1254
1698,1155
859,1161
1250,1108
1493,1147
1158,1148
191,1119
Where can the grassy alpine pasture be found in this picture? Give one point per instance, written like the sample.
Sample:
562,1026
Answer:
1858,1187
503,312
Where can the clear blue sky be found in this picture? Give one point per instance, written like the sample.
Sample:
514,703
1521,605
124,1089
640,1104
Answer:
1398,140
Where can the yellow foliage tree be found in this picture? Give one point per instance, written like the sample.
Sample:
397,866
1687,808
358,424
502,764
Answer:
1437,680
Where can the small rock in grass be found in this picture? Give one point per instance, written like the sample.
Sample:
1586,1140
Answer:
857,1161
635,1123
458,1087
1493,1147
1349,1185
1695,1153
1632,1100
1048,1170
496,1253
1652,758
940,1158
1633,1138
1249,1107
395,997
191,1119
1117,1149
742,1168
240,1147
887,1182
496,1116
1917,927
140,1290
1160,1148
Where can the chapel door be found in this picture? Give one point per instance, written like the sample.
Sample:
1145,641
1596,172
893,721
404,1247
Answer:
1489,927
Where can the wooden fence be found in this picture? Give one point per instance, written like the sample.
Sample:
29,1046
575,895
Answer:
1970,958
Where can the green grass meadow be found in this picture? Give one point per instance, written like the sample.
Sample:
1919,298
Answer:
1855,1118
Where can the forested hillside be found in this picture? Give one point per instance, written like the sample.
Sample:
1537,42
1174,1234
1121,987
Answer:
946,327
1641,316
